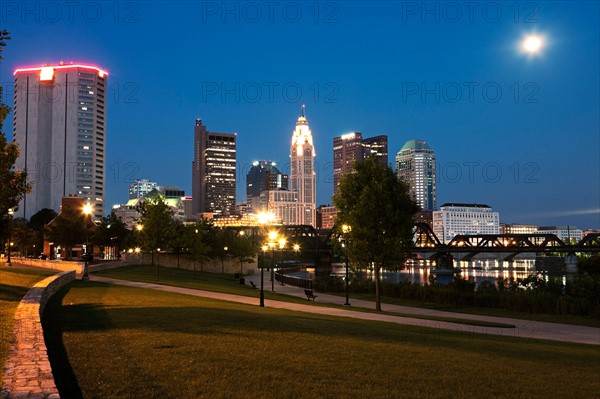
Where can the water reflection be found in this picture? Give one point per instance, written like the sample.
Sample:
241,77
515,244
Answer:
478,271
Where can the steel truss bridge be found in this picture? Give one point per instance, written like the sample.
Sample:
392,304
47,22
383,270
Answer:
426,242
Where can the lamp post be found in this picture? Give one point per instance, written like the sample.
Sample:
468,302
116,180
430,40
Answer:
87,211
262,277
345,230
282,242
10,214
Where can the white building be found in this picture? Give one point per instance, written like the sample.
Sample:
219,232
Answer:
517,228
141,187
473,219
60,126
563,232
284,206
302,176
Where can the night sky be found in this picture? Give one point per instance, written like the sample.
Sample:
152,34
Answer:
515,131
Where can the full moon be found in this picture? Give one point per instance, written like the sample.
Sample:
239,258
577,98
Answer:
532,44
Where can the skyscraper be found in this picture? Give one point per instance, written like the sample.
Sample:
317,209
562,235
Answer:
60,126
302,175
213,171
351,147
262,177
415,164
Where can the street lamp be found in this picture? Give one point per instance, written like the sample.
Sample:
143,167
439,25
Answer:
345,230
264,248
10,214
87,211
282,242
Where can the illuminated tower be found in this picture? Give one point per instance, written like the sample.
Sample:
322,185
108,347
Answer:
60,126
415,164
213,171
302,173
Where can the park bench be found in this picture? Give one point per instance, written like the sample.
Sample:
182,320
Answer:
310,295
252,284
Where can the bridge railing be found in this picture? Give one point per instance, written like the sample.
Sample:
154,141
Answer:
282,276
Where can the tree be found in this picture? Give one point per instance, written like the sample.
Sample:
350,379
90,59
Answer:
70,228
24,237
221,243
378,208
243,250
13,182
158,228
38,222
112,233
197,236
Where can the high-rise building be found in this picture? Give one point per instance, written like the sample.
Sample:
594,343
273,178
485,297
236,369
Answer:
60,126
213,171
302,174
351,147
263,176
415,164
141,187
473,219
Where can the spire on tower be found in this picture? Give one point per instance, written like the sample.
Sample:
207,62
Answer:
304,110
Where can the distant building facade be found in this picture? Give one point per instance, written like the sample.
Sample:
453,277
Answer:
141,187
60,126
415,164
516,228
213,171
262,177
326,216
565,233
351,147
285,207
453,219
171,191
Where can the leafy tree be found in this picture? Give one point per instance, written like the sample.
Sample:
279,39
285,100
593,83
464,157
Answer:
197,237
243,249
158,228
221,244
377,207
24,237
70,228
112,232
13,183
37,223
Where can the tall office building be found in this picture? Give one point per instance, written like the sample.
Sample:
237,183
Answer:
351,147
213,171
263,176
60,126
415,164
302,174
141,187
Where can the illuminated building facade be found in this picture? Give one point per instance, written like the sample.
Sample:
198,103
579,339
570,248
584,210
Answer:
415,164
263,177
213,171
351,147
302,174
141,187
473,219
60,127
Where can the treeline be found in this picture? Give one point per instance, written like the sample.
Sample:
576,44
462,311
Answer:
534,294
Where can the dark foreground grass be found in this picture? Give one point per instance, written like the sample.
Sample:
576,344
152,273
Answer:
127,342
14,284
226,283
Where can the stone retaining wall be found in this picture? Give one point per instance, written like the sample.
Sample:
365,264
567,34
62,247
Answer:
59,265
27,373
213,265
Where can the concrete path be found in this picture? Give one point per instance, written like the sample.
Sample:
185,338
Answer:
524,328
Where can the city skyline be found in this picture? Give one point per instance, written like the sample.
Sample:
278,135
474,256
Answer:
485,148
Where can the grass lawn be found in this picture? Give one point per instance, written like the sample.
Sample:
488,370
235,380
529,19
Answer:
125,342
14,284
550,318
225,283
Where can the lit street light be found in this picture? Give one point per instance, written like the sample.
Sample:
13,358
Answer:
10,215
345,230
87,211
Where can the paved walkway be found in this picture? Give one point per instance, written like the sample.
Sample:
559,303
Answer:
523,328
